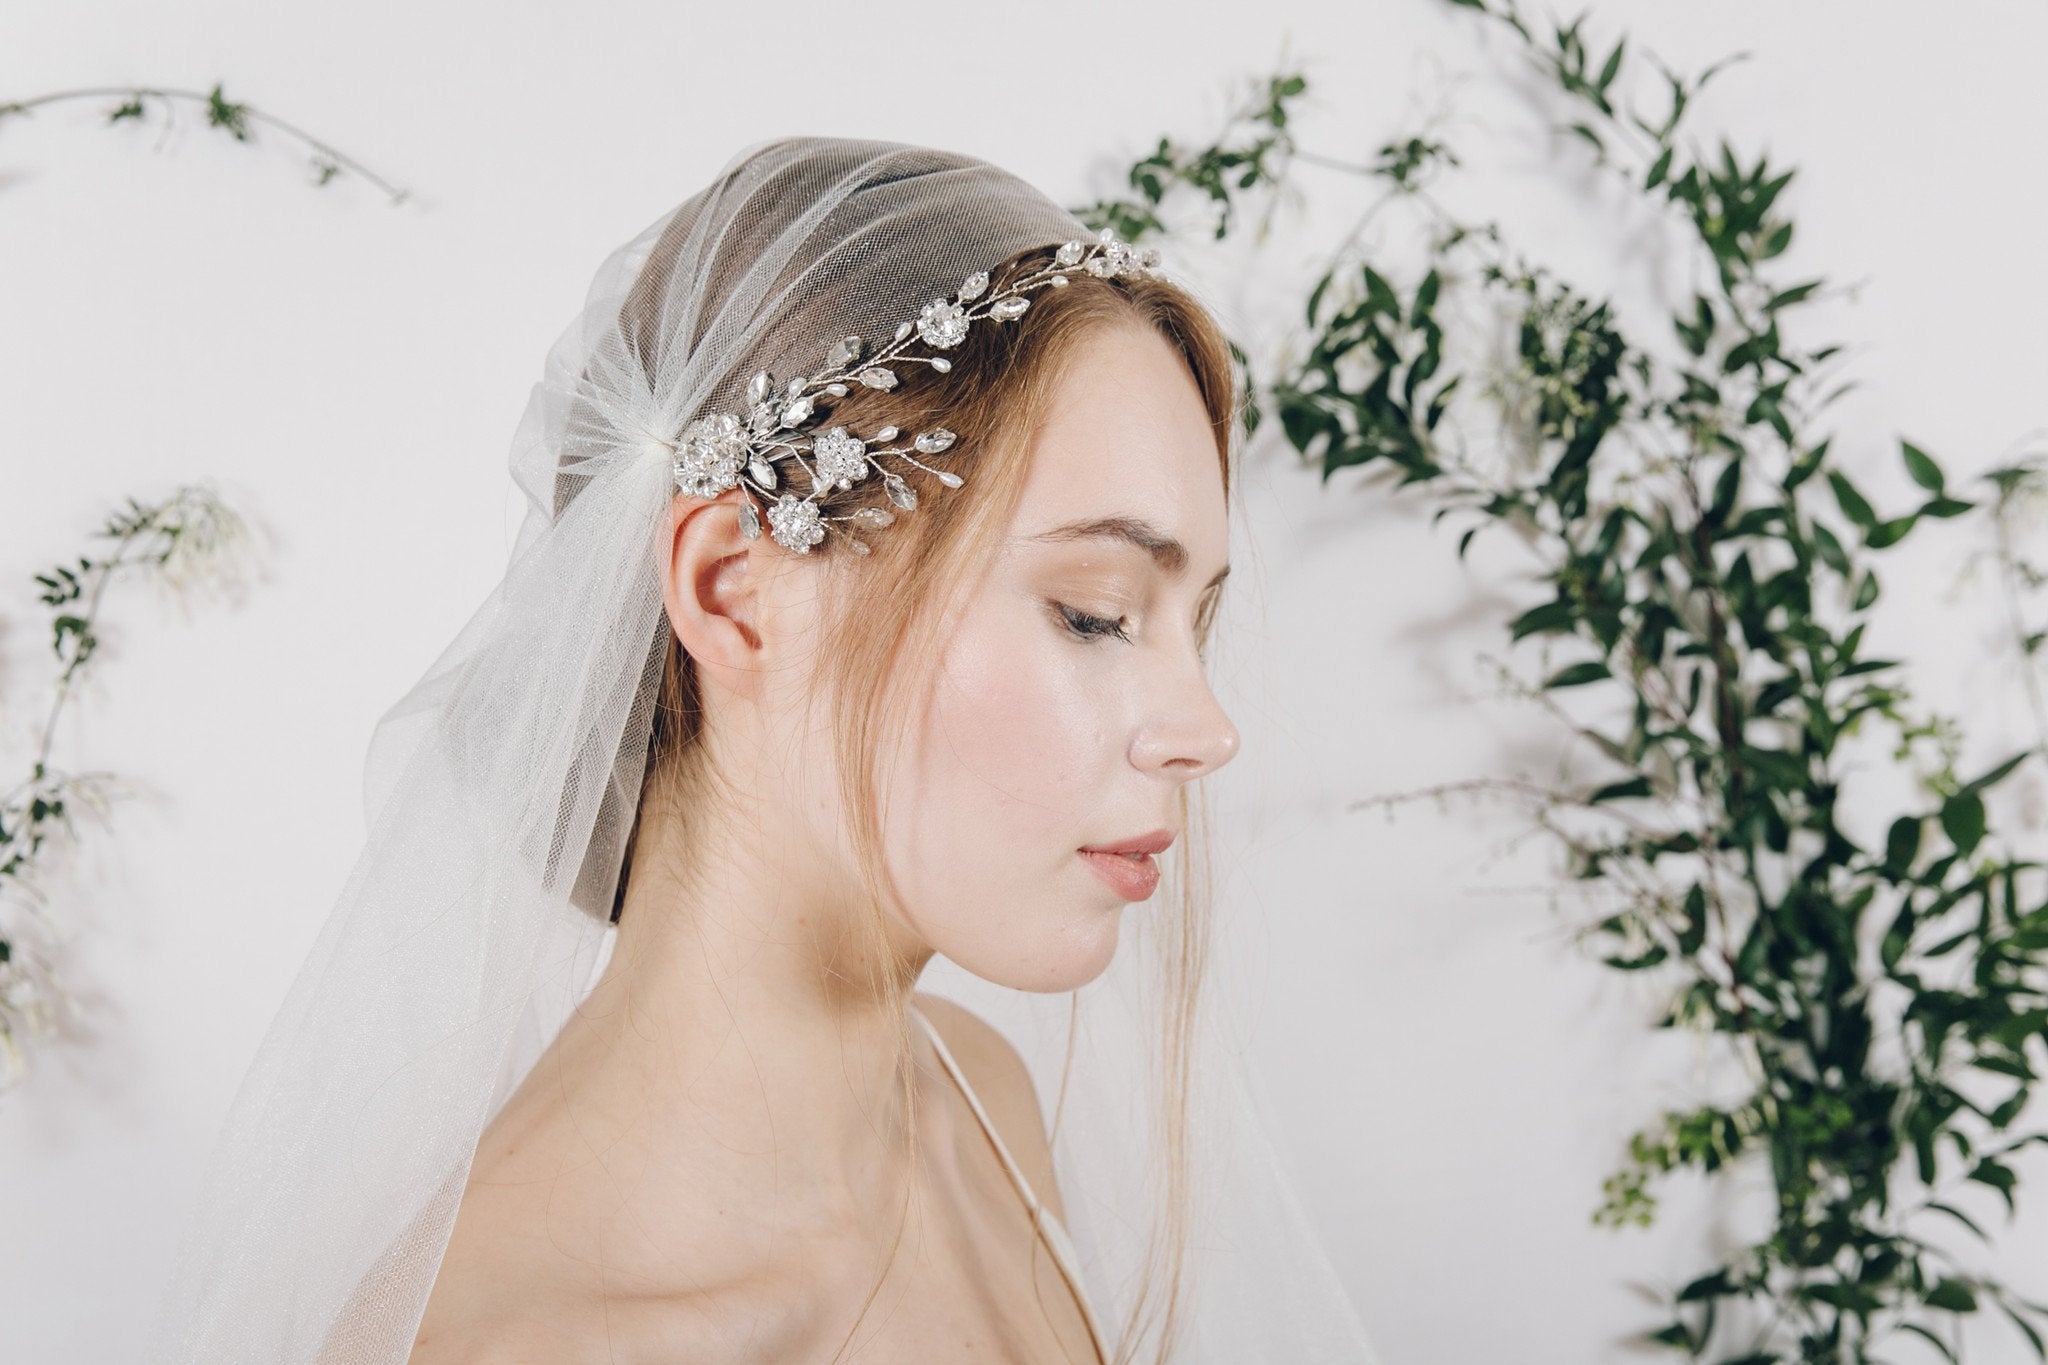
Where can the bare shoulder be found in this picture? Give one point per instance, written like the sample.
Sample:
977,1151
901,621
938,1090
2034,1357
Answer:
998,1074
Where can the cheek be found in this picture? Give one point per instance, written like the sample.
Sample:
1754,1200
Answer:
1020,717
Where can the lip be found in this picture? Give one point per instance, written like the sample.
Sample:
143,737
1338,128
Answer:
1153,841
1133,878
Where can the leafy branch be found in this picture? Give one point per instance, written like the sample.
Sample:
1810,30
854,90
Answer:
236,119
188,542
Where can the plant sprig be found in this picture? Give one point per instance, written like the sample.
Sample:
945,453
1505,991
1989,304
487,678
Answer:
236,119
189,542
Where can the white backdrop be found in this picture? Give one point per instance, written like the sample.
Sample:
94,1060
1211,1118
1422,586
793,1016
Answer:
1454,1081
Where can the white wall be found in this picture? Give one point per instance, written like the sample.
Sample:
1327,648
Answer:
1455,1081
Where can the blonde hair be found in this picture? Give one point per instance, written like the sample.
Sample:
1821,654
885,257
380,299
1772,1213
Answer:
996,399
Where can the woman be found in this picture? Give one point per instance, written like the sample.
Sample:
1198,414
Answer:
879,518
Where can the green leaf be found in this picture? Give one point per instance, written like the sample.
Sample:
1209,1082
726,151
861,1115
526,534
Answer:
2033,1337
1659,168
1960,1217
1634,786
1797,294
1917,1330
1706,1287
1380,295
1725,489
1577,675
1953,1295
1925,472
2000,1178
1547,619
1425,298
1850,501
1808,463
1962,819
1901,845
1889,532
1611,68
1997,774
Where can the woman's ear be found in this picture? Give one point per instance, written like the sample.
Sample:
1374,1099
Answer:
712,587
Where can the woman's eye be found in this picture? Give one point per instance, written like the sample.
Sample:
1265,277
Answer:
1090,627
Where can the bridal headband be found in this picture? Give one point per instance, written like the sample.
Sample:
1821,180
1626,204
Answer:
713,451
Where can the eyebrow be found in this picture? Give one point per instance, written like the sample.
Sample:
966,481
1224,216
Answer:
1169,554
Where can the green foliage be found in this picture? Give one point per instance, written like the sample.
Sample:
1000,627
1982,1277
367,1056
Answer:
1712,569
190,538
1215,171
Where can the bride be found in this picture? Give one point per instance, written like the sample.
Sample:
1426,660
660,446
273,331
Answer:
879,519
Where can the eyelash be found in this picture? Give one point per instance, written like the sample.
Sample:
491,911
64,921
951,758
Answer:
1089,627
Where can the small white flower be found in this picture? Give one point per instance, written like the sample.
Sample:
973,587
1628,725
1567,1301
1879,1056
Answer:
709,459
839,458
943,324
796,523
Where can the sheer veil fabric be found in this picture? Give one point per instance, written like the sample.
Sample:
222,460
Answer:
500,791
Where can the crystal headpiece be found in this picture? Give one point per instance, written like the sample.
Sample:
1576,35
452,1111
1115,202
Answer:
724,450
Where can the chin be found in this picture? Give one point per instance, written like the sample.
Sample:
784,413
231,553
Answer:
1056,965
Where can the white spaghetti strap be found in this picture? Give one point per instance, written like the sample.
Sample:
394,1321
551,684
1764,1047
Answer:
1047,1222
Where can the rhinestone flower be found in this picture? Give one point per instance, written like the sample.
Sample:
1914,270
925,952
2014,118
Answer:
796,523
942,324
839,458
711,453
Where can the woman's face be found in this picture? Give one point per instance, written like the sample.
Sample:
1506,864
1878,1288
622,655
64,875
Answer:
1071,704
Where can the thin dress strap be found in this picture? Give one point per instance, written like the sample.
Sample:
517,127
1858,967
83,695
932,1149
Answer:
1044,1219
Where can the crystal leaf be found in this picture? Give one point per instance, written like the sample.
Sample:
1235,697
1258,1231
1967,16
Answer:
796,412
878,377
900,493
842,353
857,545
759,387
1070,252
975,287
762,418
750,521
949,478
1006,310
872,517
763,472
935,440
941,364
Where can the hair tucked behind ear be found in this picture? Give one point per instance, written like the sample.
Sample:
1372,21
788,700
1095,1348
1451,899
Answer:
880,652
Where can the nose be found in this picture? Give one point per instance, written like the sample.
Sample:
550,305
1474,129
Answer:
1189,735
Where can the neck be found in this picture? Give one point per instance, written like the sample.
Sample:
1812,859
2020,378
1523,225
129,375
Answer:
732,1039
